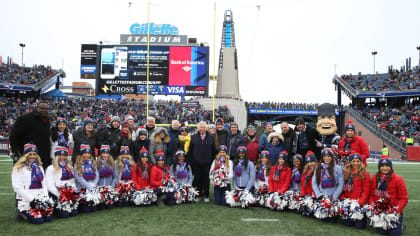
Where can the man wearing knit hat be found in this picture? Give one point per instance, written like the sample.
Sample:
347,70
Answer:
221,133
85,134
352,143
304,139
112,135
263,138
32,127
251,141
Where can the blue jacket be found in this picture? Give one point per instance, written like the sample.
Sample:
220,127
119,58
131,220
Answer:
82,183
173,134
275,151
233,142
263,142
201,152
247,177
111,180
181,181
333,192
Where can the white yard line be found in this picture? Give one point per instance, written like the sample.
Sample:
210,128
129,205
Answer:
7,172
256,219
413,200
413,180
8,160
7,193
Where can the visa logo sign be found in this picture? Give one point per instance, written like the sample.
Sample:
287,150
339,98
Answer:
175,90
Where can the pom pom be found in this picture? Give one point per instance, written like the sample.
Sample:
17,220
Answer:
43,206
68,200
125,191
169,184
325,208
275,201
186,194
350,209
108,194
239,198
381,214
90,197
219,177
261,195
144,197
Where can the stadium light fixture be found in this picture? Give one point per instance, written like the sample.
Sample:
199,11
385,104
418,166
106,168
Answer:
22,45
374,54
418,49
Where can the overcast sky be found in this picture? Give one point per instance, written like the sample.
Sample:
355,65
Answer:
287,49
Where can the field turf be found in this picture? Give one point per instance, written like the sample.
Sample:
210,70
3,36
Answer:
198,218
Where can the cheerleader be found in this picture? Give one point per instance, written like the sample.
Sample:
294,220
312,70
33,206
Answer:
158,175
86,173
328,179
263,169
60,172
356,186
181,170
280,175
308,172
141,170
385,184
244,174
60,136
224,165
124,165
108,174
28,182
297,161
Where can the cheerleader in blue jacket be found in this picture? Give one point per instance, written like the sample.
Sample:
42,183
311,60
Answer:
181,170
86,173
108,175
244,171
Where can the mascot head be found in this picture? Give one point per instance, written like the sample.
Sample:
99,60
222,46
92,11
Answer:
326,119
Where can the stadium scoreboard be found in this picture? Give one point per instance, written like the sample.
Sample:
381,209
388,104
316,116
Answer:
122,69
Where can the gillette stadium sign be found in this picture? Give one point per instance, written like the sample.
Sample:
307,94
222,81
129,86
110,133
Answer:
159,34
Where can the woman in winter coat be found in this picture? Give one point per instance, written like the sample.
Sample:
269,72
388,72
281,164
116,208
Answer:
85,134
141,142
159,141
275,146
356,186
158,174
387,185
222,164
308,172
280,175
352,143
60,136
244,171
28,181
112,136
141,170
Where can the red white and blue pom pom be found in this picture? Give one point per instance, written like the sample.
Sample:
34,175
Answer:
275,201
125,191
239,198
169,184
144,197
325,208
68,199
350,209
293,199
186,194
108,194
381,214
261,195
219,178
89,197
307,205
44,206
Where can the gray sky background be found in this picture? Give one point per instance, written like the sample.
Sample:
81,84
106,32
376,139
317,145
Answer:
286,50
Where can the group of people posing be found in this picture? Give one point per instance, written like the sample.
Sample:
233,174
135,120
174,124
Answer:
272,164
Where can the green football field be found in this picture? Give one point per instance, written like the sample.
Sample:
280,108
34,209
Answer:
199,218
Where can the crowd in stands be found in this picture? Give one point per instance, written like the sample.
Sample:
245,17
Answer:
14,74
393,80
282,105
101,111
402,122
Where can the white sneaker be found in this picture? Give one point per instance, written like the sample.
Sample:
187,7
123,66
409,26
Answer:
206,199
198,199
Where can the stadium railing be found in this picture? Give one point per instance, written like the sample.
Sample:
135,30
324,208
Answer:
388,137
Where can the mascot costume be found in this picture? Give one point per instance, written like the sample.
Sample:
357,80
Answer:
327,128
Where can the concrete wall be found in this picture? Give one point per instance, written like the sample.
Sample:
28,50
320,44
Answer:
375,143
236,107
227,81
